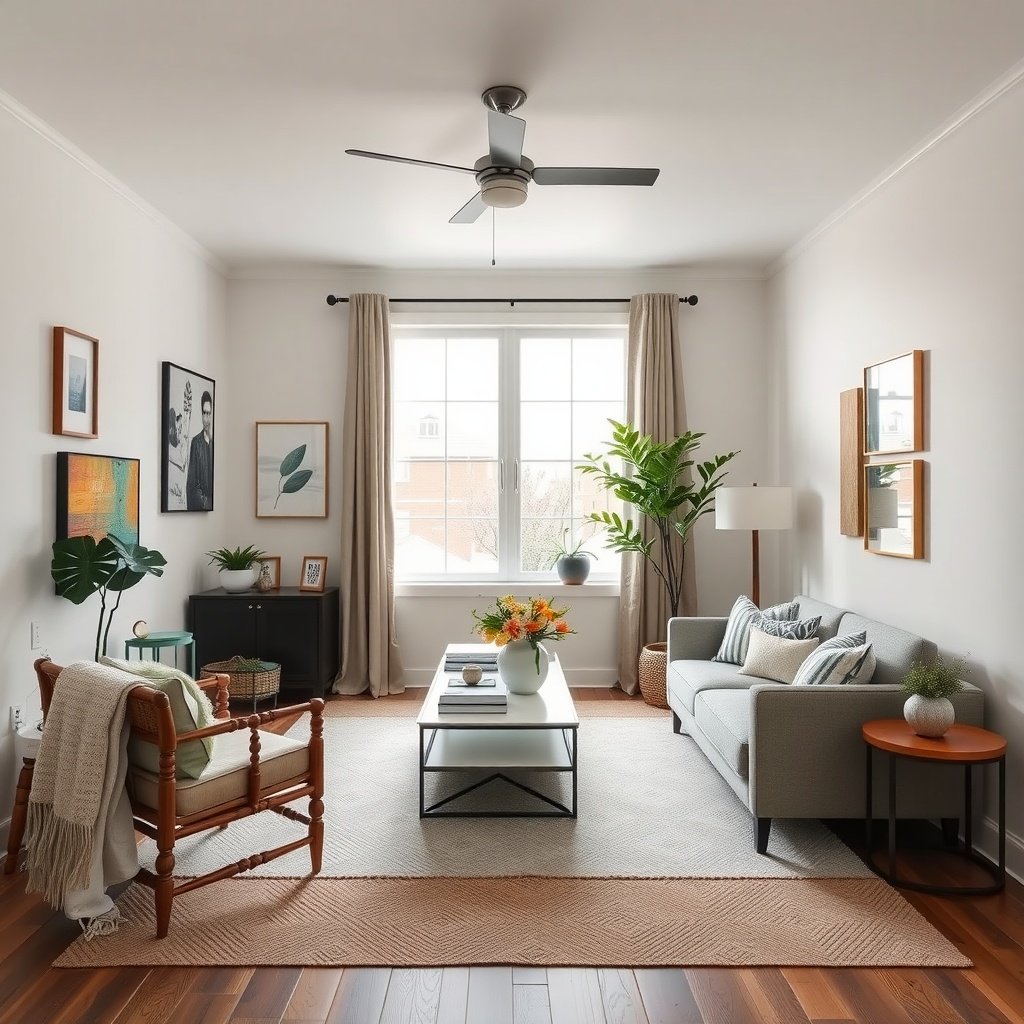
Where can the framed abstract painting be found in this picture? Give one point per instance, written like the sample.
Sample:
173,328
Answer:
97,495
188,404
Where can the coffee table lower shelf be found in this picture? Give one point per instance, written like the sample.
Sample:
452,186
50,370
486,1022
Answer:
462,748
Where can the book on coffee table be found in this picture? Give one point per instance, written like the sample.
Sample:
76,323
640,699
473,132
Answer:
472,695
458,683
471,709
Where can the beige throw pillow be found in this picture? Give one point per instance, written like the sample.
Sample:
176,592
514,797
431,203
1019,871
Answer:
773,657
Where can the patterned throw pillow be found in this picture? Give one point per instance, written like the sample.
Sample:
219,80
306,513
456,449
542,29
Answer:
745,614
841,660
797,629
775,657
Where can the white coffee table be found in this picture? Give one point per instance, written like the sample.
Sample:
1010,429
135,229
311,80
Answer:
538,733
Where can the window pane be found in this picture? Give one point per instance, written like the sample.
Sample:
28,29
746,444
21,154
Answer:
545,489
418,430
472,368
545,368
472,430
419,546
545,430
541,538
418,488
604,560
589,496
418,369
591,431
598,368
472,546
473,489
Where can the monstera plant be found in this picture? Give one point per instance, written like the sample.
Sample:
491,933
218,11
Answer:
83,566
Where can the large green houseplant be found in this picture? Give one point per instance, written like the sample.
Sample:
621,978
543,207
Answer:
83,566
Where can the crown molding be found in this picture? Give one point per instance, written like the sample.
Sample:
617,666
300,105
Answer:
1002,85
46,131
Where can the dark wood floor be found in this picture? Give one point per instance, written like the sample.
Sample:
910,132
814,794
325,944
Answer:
990,930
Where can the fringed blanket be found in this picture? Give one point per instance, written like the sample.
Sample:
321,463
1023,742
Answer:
74,834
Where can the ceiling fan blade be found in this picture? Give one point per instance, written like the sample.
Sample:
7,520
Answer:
408,160
596,175
470,212
505,135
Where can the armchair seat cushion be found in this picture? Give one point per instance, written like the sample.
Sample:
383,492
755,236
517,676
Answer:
724,718
226,777
686,679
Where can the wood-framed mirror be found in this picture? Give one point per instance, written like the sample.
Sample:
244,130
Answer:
894,508
894,405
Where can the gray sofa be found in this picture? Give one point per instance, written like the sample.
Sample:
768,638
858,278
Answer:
796,751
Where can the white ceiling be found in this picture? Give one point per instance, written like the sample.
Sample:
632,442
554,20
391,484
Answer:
231,117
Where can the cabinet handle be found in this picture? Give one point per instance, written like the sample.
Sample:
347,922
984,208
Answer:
250,607
259,607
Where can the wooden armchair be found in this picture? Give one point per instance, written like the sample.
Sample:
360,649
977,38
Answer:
242,778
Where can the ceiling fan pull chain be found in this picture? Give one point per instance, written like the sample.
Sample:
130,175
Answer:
492,236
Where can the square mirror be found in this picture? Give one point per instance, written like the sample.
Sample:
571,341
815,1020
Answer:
894,405
894,508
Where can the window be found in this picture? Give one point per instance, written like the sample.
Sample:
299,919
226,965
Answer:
488,428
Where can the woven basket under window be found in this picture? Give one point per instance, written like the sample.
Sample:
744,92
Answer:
250,677
651,674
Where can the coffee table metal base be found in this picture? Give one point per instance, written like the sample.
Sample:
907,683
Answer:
517,740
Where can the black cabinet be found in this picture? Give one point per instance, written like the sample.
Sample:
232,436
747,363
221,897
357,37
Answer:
296,628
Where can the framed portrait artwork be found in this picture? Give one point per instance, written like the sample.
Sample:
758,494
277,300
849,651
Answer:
188,406
270,573
76,364
314,572
291,469
97,495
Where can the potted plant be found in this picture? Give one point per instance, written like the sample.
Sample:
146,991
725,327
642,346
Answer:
238,570
571,564
654,478
82,566
928,710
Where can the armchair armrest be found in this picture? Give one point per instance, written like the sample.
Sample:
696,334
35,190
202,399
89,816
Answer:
692,638
216,687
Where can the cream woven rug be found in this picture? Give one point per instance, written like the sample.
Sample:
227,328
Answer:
658,870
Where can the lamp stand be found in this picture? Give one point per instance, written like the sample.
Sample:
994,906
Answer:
756,592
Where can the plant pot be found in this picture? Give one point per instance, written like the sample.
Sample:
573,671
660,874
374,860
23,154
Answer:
573,570
651,674
237,581
929,716
519,668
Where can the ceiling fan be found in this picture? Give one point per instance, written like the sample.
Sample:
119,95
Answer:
504,173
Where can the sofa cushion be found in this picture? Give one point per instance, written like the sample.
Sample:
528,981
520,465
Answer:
830,615
790,629
688,678
745,614
895,649
775,657
843,659
724,718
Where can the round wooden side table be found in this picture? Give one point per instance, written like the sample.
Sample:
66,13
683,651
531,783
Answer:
962,744
155,642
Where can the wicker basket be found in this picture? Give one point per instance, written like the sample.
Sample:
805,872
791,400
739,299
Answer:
651,674
250,677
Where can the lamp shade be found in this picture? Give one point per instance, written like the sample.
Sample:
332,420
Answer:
754,508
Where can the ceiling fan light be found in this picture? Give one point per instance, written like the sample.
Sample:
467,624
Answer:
503,191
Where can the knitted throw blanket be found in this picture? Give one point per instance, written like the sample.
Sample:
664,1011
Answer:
74,776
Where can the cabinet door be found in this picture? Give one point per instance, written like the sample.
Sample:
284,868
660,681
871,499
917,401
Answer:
288,633
224,627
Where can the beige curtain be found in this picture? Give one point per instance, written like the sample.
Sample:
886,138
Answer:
654,404
369,649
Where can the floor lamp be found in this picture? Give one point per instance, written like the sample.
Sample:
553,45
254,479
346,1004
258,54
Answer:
754,508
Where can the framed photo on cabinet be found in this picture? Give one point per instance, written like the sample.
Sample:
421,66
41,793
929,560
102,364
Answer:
76,391
314,573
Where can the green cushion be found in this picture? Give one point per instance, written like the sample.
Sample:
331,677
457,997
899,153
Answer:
190,708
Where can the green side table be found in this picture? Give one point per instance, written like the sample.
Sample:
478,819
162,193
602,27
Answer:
155,642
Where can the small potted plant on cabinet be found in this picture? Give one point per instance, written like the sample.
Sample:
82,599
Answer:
571,564
928,710
238,568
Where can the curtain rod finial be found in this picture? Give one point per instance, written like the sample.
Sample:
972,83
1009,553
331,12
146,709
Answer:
332,300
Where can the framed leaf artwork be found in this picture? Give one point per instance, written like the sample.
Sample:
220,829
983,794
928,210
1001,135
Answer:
291,469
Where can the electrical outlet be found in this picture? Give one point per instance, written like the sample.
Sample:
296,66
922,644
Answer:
17,718
36,636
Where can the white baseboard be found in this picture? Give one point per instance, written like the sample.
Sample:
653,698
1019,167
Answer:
988,843
413,677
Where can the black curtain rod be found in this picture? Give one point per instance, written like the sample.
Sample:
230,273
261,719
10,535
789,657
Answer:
333,300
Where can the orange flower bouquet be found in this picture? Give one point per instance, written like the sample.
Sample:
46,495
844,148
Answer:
531,619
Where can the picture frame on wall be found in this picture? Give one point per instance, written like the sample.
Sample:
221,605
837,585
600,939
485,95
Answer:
76,392
97,495
188,403
291,469
314,573
270,573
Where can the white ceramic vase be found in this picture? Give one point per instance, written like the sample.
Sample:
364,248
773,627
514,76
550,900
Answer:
518,666
928,716
237,581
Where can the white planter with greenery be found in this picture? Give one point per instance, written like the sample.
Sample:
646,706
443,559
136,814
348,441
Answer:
928,710
239,568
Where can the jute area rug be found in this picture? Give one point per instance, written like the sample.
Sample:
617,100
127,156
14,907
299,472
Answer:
657,870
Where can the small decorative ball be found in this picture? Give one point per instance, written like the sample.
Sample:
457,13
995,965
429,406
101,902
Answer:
472,674
141,629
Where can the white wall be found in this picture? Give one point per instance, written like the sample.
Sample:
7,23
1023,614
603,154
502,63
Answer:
78,253
932,260
287,350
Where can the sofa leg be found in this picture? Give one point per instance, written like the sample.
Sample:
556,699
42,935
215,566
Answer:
677,724
950,831
763,828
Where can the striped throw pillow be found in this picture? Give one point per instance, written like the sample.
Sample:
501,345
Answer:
797,629
841,660
745,614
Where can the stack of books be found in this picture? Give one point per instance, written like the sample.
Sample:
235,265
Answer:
489,696
487,660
